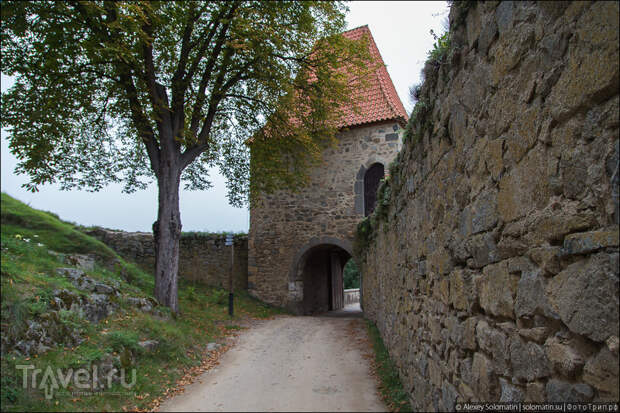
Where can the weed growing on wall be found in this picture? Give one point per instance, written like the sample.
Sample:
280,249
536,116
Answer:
439,58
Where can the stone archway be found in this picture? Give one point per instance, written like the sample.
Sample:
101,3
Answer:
315,277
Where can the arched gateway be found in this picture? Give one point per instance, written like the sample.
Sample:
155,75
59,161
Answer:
299,242
315,278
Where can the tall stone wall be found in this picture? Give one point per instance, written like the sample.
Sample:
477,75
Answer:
202,257
494,276
326,211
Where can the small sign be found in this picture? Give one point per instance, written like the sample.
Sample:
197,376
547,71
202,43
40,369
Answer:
229,239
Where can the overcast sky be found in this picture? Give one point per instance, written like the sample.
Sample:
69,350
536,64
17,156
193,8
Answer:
401,31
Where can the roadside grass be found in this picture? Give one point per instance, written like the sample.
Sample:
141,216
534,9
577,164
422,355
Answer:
390,387
28,279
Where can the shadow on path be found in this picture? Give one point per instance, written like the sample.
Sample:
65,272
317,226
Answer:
349,311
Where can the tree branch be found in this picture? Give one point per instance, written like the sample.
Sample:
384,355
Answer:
178,86
206,75
138,116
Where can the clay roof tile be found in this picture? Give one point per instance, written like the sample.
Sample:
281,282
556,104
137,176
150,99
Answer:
378,100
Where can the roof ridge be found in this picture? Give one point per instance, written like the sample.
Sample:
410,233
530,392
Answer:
355,28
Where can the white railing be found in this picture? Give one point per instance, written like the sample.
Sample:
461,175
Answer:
351,296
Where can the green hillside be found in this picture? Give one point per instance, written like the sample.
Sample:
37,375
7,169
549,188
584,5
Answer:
70,302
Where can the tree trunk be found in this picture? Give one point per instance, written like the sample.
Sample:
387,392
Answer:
167,233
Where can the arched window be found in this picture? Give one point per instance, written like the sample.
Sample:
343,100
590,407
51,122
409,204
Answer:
372,178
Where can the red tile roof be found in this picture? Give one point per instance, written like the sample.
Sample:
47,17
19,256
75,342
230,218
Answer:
378,101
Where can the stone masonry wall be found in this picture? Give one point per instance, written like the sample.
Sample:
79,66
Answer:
202,257
328,209
494,276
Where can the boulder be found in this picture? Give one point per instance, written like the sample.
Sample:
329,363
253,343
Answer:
71,273
149,345
84,262
103,288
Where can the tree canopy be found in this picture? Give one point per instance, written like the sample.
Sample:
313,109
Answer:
110,91
95,81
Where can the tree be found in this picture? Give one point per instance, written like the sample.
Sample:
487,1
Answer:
132,92
351,275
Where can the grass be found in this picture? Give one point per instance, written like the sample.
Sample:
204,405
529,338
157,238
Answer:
390,387
28,280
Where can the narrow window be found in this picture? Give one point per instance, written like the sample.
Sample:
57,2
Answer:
372,177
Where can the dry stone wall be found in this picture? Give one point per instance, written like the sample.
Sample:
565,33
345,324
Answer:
202,257
494,275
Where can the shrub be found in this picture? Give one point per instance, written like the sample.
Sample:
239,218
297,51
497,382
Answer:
441,48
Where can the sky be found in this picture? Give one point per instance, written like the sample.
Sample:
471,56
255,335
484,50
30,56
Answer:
401,30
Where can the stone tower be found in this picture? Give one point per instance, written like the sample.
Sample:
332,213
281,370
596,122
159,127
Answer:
300,242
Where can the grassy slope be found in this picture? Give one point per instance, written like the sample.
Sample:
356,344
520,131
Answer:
28,279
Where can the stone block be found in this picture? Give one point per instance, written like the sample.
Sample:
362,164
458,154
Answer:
484,212
585,295
495,343
592,69
494,158
496,289
524,187
440,261
469,333
552,224
559,391
528,360
601,372
504,14
484,380
510,393
531,298
537,334
547,258
511,247
448,395
535,392
586,242
434,372
565,359
463,293
483,249
487,36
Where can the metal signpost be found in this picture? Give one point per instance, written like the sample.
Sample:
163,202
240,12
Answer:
229,242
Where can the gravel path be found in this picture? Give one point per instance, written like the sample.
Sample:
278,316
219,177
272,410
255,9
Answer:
290,364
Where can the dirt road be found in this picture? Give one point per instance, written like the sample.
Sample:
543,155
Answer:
289,364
